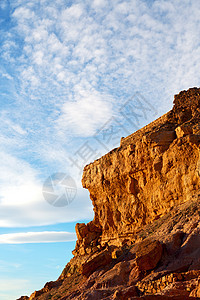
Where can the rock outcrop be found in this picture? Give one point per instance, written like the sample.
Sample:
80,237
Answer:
144,241
154,169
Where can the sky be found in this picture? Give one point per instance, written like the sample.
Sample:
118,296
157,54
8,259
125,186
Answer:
75,77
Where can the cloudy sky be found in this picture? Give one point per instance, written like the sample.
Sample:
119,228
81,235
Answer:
76,76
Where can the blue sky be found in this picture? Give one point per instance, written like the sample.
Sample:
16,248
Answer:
75,76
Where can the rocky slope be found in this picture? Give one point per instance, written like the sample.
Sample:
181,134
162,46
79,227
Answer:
144,241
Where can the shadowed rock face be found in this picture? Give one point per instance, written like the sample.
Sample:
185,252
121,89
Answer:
144,241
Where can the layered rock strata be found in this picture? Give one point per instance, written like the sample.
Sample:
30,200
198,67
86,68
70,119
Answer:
144,241
153,170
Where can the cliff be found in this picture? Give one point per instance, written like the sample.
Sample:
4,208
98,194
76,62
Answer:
145,236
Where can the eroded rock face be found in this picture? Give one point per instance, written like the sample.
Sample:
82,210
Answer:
88,238
144,241
153,170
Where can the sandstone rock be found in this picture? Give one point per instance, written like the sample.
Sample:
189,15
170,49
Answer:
183,130
118,275
160,137
116,252
148,255
87,238
176,289
157,163
52,284
81,230
134,275
196,292
94,294
35,294
145,233
152,170
124,294
174,241
95,262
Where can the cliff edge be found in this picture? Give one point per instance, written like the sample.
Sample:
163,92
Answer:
144,240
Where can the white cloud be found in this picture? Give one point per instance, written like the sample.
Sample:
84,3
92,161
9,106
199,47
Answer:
15,127
15,171
72,68
99,3
30,77
37,212
22,202
86,114
6,75
37,237
23,13
75,11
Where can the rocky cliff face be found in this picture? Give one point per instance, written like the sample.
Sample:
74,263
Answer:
145,236
153,170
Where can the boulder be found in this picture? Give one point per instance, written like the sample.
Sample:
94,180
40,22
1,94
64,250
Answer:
95,262
148,255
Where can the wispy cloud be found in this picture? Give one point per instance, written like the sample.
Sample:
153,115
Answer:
110,47
67,68
37,237
90,109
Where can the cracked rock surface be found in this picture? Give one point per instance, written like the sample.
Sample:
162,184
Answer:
144,241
